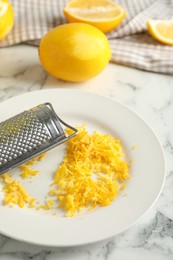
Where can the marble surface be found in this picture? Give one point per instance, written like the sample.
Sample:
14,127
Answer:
151,96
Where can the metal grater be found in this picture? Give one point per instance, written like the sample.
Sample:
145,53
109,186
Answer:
29,134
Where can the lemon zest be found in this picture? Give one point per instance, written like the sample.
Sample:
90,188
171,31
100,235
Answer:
91,172
14,192
26,170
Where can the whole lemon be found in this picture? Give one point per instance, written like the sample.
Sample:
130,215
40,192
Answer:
74,52
6,18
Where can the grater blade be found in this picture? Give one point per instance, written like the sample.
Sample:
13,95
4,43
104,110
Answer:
29,134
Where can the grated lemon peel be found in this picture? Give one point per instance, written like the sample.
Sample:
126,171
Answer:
14,192
93,173
26,170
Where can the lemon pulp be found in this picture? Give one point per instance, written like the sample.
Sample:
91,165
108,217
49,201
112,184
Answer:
103,14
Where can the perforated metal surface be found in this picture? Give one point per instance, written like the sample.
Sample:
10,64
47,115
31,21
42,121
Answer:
29,134
21,134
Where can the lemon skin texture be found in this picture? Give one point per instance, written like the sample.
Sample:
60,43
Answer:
6,20
74,52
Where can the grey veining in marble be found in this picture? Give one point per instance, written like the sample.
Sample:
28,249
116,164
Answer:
20,71
148,94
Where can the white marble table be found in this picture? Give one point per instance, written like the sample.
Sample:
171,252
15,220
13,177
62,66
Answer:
151,96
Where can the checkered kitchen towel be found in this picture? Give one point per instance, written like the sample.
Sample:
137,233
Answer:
130,43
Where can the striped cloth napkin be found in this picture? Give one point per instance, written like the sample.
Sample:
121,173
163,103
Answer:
130,43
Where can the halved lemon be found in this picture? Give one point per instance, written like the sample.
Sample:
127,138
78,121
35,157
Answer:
161,30
103,14
6,18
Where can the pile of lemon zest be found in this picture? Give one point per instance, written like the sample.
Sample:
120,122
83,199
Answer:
91,172
134,147
26,170
14,193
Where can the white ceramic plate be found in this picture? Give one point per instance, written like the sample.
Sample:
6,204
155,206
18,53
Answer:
147,174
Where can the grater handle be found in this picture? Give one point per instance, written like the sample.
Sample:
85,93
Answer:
75,131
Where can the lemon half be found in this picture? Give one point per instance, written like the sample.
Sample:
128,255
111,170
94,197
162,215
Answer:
6,18
161,30
104,14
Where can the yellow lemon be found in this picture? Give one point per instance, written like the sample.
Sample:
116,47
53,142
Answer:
161,30
6,18
74,52
104,14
